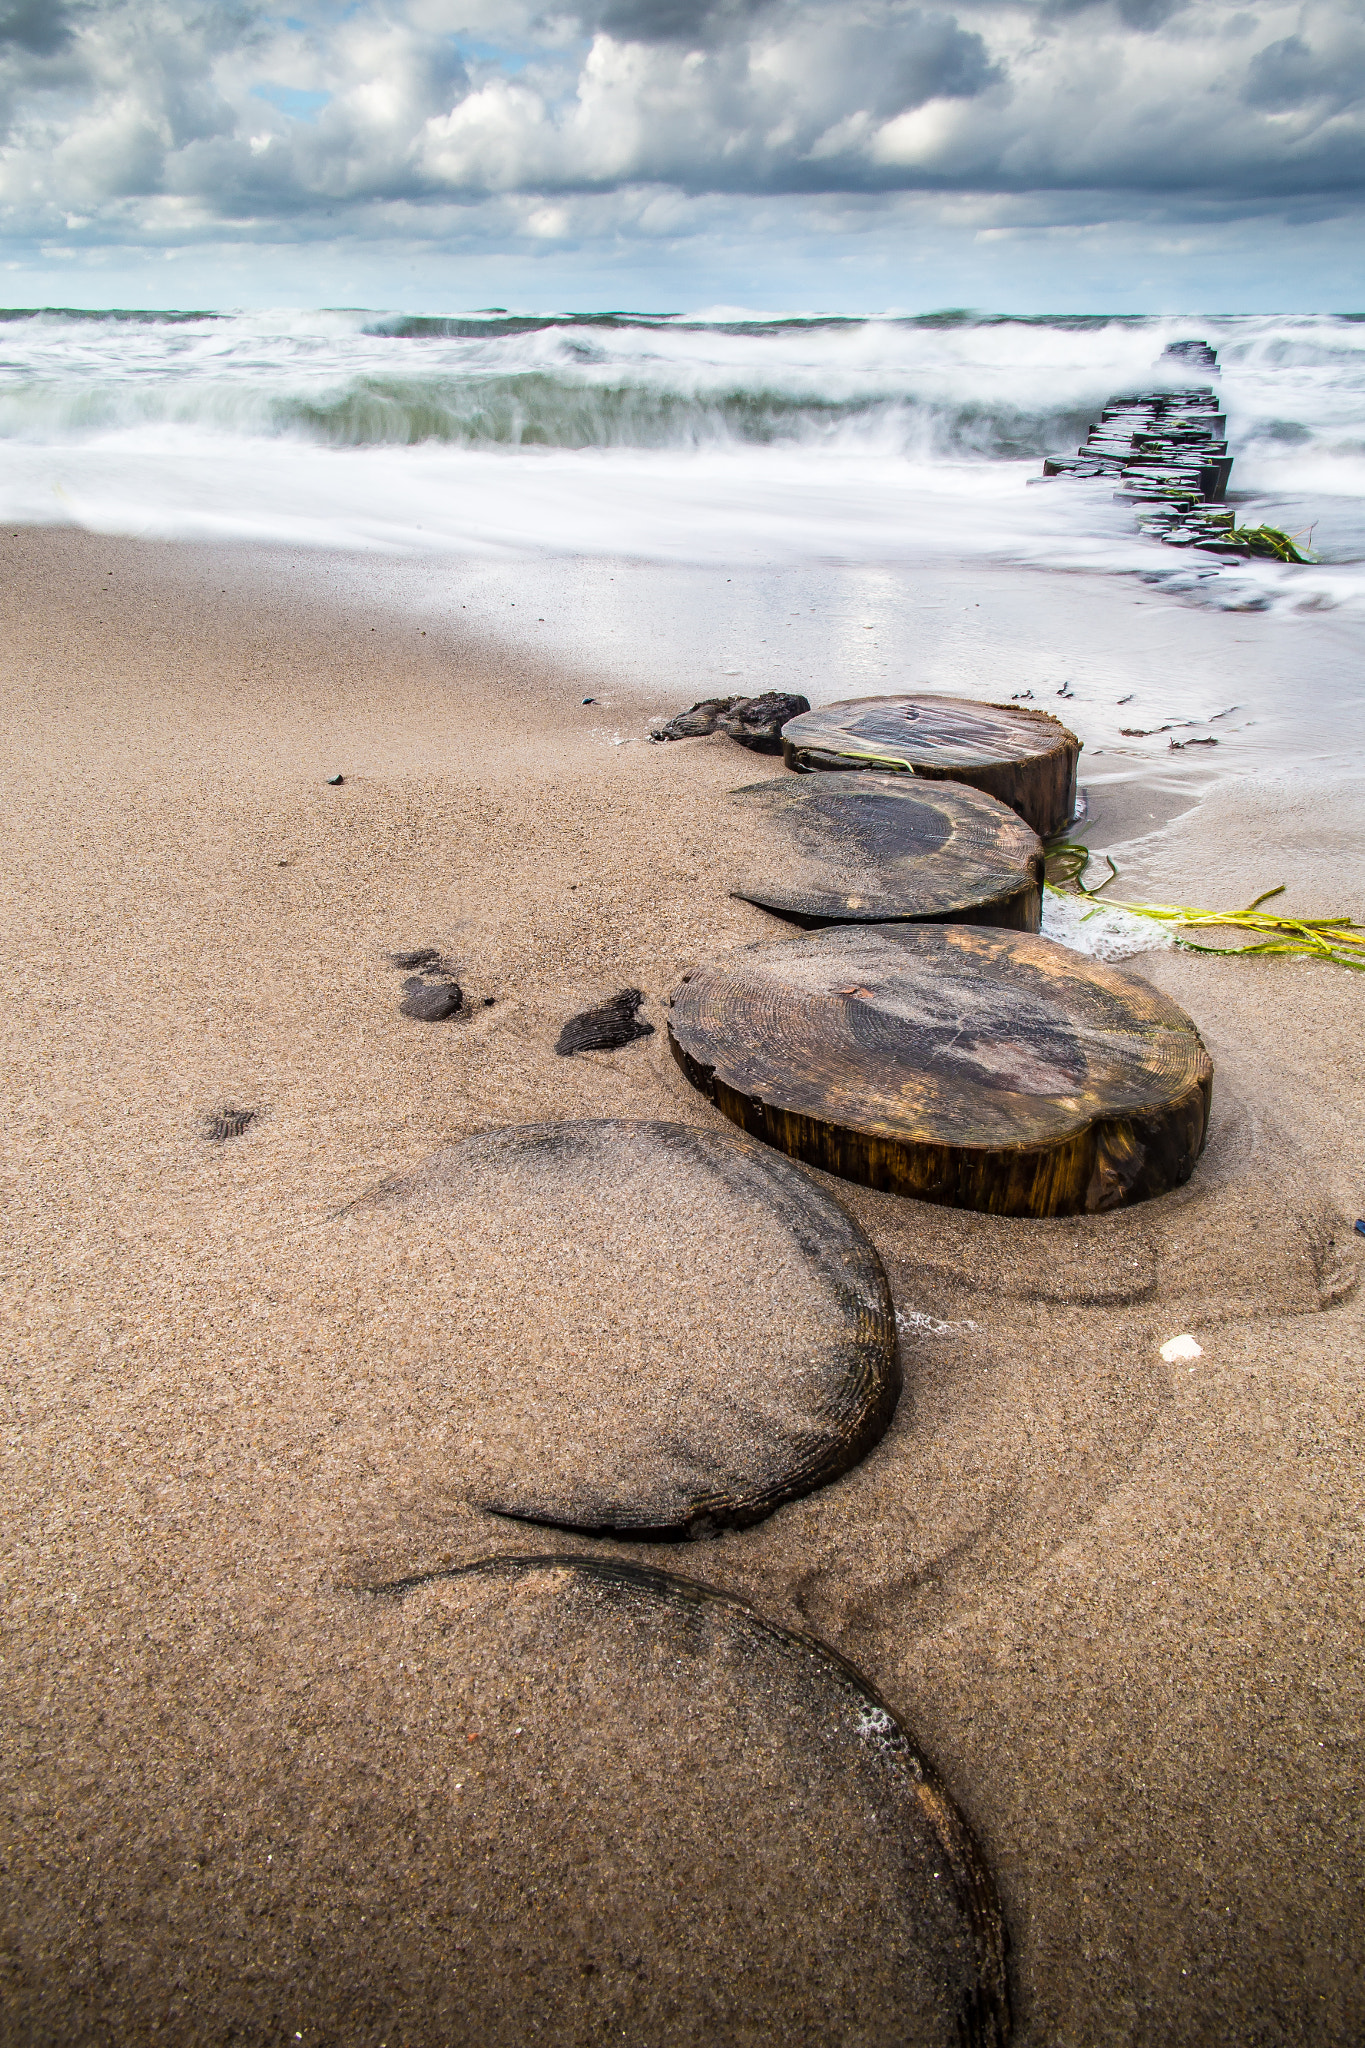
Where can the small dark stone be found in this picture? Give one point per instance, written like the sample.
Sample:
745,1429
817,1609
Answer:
610,1025
430,1002
489,1001
228,1123
335,781
590,700
425,960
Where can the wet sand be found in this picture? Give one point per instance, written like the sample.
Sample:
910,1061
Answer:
1118,1602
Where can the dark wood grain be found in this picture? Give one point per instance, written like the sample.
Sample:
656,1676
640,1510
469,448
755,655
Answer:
988,1069
836,849
1024,757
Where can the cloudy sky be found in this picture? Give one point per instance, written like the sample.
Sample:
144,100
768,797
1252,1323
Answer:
1065,155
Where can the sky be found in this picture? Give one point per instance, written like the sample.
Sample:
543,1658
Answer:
1028,156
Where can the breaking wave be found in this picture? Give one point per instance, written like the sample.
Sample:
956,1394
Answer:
779,438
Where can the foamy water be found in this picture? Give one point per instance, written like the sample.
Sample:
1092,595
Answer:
687,441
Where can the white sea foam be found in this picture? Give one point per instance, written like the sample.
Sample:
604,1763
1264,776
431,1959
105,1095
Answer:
672,441
1104,931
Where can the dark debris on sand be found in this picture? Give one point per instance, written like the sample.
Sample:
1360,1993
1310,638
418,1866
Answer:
228,1123
431,1002
425,960
755,722
611,1024
431,992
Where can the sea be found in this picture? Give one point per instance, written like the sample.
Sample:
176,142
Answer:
720,502
670,439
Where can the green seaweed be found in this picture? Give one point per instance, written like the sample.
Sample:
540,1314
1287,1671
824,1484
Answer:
1271,543
1339,939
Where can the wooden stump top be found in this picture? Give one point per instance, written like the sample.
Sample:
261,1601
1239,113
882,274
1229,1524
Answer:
874,848
990,1069
1022,756
629,1327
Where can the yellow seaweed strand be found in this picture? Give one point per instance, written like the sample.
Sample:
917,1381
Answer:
1338,939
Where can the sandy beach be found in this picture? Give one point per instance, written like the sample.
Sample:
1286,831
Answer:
1117,1601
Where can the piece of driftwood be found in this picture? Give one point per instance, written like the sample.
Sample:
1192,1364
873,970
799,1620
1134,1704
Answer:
755,722
638,1328
874,848
786,1804
607,1027
992,1070
1024,758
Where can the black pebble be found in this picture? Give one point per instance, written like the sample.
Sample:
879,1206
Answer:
335,781
430,1002
610,1025
590,700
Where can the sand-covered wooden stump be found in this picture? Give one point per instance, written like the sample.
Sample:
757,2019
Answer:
631,1327
989,1069
1023,757
534,1798
702,1828
876,848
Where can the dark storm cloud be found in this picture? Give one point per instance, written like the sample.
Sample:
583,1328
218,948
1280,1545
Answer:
1290,74
1135,14
41,27
694,22
937,59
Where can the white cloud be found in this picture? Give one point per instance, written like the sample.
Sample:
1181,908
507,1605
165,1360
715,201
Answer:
343,117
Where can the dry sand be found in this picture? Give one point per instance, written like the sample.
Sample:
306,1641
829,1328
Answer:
1118,1602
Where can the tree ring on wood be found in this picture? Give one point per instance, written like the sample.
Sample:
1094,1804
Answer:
875,848
743,1775
988,1069
629,1327
1024,757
